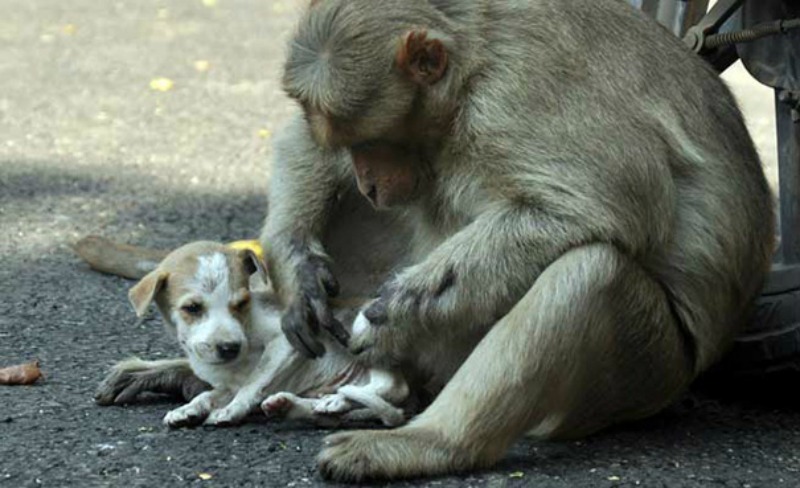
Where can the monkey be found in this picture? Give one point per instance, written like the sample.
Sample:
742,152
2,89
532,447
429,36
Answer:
590,223
582,222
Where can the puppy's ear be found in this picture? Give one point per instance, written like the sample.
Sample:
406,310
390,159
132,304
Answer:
253,264
144,292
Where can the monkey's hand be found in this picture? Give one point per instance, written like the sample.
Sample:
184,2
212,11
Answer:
308,309
386,326
472,279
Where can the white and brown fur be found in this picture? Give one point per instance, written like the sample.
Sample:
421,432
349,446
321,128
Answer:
230,332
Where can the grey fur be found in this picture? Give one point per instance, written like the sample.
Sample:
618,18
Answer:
132,377
597,230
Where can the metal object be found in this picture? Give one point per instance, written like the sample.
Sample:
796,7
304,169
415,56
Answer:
786,269
711,23
774,60
675,15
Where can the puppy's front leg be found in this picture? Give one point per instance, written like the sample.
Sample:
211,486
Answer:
194,412
268,377
234,412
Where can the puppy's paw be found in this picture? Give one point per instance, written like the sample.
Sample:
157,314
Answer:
375,344
185,416
279,404
364,334
232,414
333,405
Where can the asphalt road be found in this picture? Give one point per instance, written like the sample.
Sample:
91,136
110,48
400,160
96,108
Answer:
87,146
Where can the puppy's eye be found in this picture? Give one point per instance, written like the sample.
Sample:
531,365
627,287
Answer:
241,304
193,308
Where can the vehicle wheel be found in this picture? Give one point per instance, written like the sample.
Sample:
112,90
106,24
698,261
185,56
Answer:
771,340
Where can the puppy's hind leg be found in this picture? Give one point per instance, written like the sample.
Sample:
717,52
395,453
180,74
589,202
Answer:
127,379
290,406
592,343
379,397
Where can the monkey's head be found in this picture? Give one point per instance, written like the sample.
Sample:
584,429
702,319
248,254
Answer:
375,77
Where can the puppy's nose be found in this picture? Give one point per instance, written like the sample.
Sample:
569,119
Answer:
228,350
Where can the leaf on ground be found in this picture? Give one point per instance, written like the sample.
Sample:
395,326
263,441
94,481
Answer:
517,474
21,374
205,476
69,29
202,65
161,84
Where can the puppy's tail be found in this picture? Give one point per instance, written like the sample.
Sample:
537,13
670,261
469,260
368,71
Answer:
117,259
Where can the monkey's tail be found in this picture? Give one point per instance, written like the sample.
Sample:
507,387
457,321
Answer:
109,257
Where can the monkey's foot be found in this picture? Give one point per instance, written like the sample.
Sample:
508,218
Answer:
129,378
388,455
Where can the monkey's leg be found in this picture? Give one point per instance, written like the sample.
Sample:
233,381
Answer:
592,343
127,379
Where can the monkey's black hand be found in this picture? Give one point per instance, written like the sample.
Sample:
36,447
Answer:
309,312
386,326
411,298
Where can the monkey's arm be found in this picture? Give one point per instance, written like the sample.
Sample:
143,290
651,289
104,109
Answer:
471,280
303,189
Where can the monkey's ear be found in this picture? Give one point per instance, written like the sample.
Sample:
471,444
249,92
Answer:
422,58
145,291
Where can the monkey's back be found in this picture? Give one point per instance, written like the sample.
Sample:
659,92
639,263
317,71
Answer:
610,121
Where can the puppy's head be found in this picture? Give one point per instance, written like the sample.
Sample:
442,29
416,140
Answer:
202,291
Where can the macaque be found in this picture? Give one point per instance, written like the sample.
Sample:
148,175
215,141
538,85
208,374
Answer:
567,219
589,221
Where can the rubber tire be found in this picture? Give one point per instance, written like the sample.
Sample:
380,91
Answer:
771,341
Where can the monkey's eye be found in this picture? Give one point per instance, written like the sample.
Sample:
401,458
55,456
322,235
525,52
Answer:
193,308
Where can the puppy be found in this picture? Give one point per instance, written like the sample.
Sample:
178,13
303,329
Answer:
214,300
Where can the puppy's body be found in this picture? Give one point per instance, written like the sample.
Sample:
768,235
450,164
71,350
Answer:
230,332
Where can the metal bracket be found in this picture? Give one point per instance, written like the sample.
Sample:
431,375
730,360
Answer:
792,100
723,10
